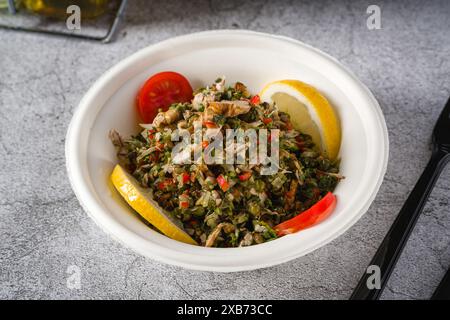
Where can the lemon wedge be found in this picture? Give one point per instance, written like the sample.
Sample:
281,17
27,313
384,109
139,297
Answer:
310,112
141,201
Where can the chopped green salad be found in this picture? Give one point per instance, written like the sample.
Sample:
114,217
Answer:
223,205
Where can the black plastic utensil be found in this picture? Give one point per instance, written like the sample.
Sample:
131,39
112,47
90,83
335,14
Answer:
397,236
443,290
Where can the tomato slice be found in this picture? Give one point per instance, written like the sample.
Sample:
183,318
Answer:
160,91
317,213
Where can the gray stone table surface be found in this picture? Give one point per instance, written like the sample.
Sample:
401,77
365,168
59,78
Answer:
43,229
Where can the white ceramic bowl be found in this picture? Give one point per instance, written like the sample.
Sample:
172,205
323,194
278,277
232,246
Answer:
254,59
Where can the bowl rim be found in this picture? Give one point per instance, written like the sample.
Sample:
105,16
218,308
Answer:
143,246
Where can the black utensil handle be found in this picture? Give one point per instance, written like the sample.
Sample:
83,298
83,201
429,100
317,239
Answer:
443,290
397,236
